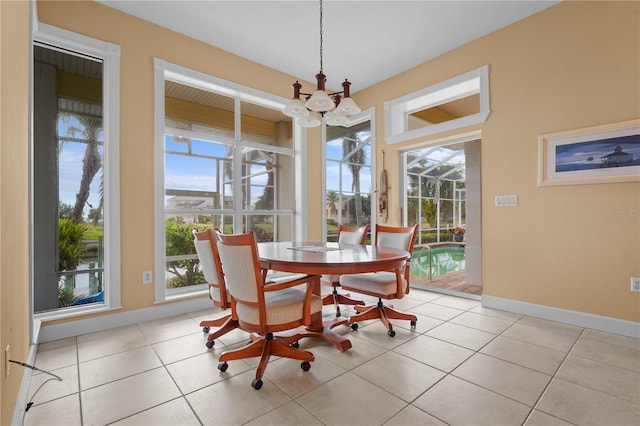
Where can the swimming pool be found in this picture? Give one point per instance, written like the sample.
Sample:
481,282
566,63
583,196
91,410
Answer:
445,258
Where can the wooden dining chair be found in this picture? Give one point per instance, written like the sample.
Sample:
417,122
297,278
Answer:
207,250
384,285
264,308
346,235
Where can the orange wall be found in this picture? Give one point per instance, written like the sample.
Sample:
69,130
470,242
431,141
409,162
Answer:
572,66
14,198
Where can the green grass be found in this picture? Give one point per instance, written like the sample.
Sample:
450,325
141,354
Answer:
93,232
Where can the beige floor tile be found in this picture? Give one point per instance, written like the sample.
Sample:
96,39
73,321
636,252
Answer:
618,356
623,384
56,344
538,418
459,335
233,337
53,388
120,399
169,328
525,354
510,380
59,412
351,400
496,313
288,414
56,357
457,302
613,339
213,404
376,333
436,353
183,347
200,371
583,406
423,324
458,402
537,334
288,376
413,416
117,366
483,322
109,342
402,376
361,352
173,413
423,295
440,312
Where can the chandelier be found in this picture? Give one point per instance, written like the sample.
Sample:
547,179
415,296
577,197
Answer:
321,101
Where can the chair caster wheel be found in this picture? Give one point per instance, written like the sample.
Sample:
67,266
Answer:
354,326
205,330
295,345
306,365
391,333
210,344
223,366
256,384
413,324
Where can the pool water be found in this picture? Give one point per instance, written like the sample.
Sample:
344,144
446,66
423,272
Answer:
444,259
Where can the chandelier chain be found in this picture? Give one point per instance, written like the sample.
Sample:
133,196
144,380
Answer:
321,68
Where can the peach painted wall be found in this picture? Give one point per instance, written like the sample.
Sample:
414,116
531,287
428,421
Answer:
572,66
14,198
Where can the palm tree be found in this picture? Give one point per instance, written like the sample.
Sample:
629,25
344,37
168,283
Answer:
332,202
90,130
355,156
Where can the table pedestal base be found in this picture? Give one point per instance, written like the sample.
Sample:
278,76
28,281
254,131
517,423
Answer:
317,329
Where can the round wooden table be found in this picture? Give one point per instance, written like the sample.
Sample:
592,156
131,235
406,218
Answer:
318,258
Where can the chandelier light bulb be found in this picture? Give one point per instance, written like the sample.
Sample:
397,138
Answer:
347,106
296,108
320,101
309,121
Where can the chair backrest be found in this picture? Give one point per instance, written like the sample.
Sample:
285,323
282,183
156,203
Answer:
400,237
207,250
241,267
352,234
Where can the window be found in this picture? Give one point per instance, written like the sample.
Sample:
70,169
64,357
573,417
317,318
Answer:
228,162
349,179
451,104
76,259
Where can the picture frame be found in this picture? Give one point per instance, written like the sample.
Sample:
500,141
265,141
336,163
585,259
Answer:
602,154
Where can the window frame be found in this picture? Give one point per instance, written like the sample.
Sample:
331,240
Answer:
397,111
110,54
366,115
163,71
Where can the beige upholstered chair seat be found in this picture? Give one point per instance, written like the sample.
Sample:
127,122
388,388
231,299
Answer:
375,282
283,307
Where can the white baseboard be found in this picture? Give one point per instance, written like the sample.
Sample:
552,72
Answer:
581,319
104,322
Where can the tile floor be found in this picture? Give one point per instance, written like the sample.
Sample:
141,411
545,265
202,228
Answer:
462,365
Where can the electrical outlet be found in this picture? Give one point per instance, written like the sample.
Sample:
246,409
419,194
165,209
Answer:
147,277
635,284
506,200
7,364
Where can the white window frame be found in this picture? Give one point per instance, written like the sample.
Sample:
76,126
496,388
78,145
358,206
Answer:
110,55
366,115
167,71
397,111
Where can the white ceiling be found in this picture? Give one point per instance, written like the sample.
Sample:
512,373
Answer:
364,41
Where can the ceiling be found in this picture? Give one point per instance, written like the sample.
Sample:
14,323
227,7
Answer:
364,41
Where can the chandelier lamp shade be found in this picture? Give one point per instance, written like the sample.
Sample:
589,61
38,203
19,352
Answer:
321,101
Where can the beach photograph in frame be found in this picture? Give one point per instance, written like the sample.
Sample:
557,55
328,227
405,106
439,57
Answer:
602,154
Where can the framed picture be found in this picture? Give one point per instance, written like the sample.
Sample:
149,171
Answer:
601,154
